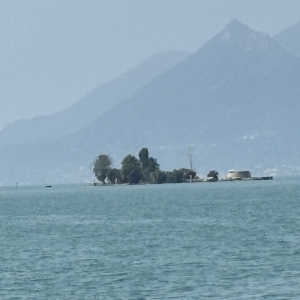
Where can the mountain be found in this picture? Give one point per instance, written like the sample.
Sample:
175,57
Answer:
236,101
289,39
101,99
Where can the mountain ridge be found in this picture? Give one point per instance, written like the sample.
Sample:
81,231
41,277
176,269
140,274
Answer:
236,105
289,39
102,98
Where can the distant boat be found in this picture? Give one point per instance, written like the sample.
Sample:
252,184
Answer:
48,186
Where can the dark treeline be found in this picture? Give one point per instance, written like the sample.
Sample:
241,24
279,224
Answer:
143,169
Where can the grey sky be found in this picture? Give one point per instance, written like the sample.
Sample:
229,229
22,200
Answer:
54,52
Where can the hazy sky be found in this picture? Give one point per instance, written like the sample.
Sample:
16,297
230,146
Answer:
55,52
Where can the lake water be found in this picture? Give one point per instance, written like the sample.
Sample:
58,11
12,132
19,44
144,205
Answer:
227,240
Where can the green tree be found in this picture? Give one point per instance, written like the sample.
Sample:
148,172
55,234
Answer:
101,165
152,165
131,169
213,174
148,164
114,175
143,157
158,177
176,176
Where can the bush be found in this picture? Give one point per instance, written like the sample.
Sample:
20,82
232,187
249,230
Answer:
176,176
158,177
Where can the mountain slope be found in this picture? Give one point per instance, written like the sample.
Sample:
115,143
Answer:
79,115
289,39
236,100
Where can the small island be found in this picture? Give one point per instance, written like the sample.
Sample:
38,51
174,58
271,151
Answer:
142,170
146,170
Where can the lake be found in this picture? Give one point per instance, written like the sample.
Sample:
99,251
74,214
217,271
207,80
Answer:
225,240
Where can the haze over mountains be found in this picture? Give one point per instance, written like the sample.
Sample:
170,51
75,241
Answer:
289,39
236,101
79,115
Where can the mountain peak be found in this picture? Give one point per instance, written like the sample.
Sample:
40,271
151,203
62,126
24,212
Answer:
236,26
243,36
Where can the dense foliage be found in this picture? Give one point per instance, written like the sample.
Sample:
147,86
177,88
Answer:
101,166
145,169
148,165
176,176
131,169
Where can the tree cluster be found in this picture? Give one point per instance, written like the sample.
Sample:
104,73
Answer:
143,169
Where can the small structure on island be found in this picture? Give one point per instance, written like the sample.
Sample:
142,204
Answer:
238,175
243,175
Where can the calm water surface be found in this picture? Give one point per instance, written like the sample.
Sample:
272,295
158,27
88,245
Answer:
230,240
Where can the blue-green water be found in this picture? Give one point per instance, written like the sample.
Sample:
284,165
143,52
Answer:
230,240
